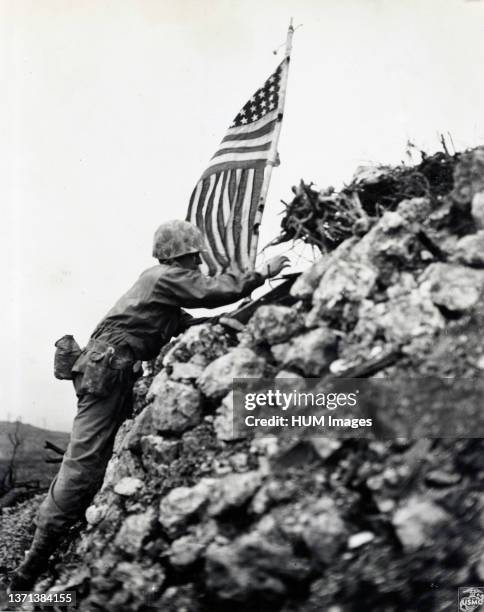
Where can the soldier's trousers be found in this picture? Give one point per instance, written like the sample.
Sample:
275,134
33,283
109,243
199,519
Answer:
84,464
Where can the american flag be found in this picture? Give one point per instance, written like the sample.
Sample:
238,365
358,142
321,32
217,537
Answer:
224,202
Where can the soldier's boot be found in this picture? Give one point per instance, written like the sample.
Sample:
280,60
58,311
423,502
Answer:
35,562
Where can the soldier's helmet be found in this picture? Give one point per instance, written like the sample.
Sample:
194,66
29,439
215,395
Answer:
176,238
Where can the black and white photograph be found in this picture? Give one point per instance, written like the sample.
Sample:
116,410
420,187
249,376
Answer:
242,312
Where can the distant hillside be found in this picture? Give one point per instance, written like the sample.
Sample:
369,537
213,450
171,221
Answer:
31,454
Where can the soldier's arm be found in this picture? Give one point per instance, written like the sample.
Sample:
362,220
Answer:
192,289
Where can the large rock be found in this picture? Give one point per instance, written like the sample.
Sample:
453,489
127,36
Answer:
273,324
176,408
234,490
311,353
181,504
453,287
342,280
240,362
417,523
400,319
253,566
206,342
134,531
470,249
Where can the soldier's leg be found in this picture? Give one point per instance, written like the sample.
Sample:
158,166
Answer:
84,463
80,475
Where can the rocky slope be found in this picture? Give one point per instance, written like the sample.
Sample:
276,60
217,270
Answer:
190,518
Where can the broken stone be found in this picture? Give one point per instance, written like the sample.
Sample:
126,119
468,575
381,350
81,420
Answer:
207,342
156,450
324,533
140,581
223,423
176,408
141,426
233,491
442,479
252,567
274,324
400,319
240,362
186,371
158,385
456,288
123,431
360,539
128,486
311,353
185,551
189,548
469,176
416,523
391,221
470,249
305,285
134,531
179,506
342,280
415,209
122,466
95,514
477,209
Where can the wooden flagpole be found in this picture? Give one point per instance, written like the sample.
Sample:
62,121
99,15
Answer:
273,151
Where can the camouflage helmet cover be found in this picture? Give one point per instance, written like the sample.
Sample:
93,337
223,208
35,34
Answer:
176,238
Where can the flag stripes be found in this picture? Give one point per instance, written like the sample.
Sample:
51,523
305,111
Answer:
224,202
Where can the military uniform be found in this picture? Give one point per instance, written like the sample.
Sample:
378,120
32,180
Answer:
139,324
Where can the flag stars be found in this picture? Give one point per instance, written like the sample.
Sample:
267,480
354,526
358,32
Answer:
265,99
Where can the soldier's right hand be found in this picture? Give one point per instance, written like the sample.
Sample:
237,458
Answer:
274,266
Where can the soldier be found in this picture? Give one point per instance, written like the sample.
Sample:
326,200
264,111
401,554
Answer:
135,329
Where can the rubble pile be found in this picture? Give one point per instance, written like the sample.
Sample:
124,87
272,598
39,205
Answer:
325,218
192,518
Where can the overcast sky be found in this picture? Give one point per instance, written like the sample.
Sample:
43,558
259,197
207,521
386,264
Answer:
113,109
